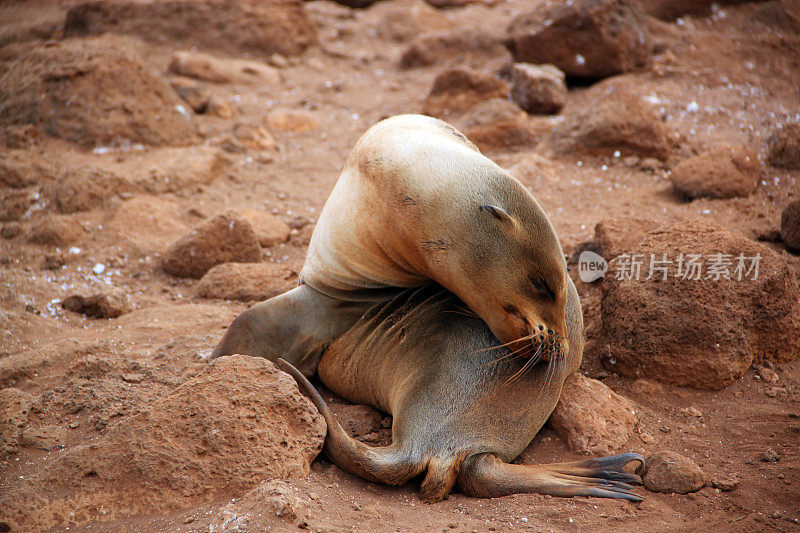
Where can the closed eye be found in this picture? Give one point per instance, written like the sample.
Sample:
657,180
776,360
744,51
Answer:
542,288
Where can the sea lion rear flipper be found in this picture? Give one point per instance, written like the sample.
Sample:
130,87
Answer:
391,464
485,475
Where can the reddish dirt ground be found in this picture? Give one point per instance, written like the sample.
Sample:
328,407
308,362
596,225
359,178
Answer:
730,77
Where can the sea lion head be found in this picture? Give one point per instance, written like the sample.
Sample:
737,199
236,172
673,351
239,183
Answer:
509,267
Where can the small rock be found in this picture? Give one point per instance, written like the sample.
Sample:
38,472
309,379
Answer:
57,230
691,412
219,107
110,302
254,137
790,225
11,230
74,425
285,120
770,456
133,377
224,238
725,483
191,93
767,374
670,472
246,281
725,171
44,437
222,70
584,38
269,229
457,90
15,204
784,146
538,88
298,221
591,417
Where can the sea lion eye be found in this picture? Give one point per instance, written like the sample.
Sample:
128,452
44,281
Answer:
497,212
542,288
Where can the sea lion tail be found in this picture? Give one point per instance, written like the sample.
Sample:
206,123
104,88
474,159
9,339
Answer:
390,464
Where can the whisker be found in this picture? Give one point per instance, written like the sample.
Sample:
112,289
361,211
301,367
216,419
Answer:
515,352
528,364
524,338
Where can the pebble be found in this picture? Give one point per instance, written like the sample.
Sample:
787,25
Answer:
770,456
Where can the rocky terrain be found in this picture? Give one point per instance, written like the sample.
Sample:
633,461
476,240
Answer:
162,166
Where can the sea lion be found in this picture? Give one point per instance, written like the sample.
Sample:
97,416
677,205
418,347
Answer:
463,404
416,202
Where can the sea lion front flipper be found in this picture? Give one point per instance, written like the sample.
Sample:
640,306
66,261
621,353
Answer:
485,475
390,464
295,325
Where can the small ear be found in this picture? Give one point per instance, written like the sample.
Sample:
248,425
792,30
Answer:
497,212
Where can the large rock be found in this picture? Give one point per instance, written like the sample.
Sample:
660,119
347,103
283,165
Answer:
669,472
783,145
473,49
611,116
246,281
457,90
239,422
261,27
538,88
592,418
698,328
224,238
790,225
725,171
584,38
616,236
94,91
